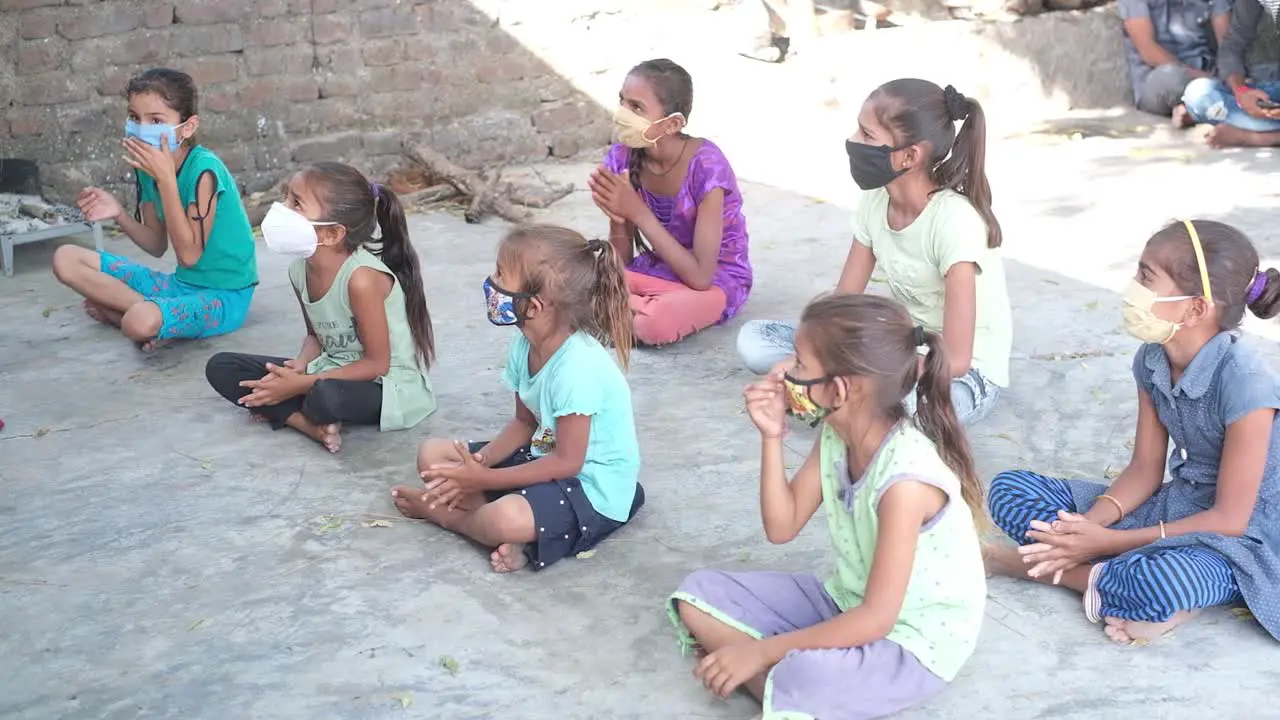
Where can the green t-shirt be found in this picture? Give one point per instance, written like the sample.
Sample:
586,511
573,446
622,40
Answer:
229,261
407,395
915,261
946,596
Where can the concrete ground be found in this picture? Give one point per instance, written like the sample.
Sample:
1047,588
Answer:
162,556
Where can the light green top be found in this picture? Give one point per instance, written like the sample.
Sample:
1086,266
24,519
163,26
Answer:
915,261
407,397
228,261
946,596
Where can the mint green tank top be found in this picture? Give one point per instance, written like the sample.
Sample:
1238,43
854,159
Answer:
407,396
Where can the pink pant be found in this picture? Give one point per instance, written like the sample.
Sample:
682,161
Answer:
668,311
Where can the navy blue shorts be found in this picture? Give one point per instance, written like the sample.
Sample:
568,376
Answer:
567,523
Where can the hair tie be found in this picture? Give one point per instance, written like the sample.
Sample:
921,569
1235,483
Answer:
1256,286
595,245
375,188
956,103
917,336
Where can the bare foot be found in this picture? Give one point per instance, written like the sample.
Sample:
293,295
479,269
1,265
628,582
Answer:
1181,118
257,417
1224,135
508,557
1004,561
102,314
152,345
409,502
1136,631
331,437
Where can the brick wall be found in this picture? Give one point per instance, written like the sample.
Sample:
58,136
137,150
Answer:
281,82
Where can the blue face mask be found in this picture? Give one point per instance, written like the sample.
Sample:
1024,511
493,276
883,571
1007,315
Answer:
151,134
502,304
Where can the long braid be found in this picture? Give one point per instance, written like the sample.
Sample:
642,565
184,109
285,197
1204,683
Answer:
635,163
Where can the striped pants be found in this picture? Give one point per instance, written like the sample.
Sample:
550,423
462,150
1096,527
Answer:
1148,585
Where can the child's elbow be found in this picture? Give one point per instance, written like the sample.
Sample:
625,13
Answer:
701,283
380,366
779,536
570,466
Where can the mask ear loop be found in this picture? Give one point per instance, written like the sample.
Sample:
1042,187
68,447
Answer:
1204,270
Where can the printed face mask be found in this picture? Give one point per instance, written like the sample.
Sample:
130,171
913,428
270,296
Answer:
289,232
870,165
633,130
501,304
1140,321
799,402
151,134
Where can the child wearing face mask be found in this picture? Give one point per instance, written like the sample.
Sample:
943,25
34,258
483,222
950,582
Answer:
925,220
368,341
1147,554
562,475
900,614
674,209
187,200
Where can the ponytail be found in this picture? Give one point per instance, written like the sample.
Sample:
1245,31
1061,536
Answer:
398,255
635,163
965,171
1263,294
936,418
611,300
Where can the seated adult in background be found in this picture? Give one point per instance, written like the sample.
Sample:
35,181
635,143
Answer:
1169,43
1241,103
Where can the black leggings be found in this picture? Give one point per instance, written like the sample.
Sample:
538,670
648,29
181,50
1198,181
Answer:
358,402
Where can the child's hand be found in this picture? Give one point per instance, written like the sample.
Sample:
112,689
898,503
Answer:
767,405
447,482
156,162
724,670
1069,541
279,384
97,205
613,193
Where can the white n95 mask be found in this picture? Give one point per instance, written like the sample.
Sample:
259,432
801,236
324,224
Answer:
289,232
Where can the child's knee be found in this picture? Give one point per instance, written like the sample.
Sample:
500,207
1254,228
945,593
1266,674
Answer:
511,516
434,451
71,260
142,322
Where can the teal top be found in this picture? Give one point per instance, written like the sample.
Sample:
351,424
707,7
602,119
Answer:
581,378
946,596
407,396
229,261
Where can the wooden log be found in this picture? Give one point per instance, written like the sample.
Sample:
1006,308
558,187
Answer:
435,193
479,202
467,181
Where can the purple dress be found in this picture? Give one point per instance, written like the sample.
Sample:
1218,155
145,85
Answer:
708,169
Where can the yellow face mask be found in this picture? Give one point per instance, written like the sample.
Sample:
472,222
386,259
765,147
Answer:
1138,301
633,130
799,402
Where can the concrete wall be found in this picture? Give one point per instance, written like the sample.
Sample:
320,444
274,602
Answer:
281,82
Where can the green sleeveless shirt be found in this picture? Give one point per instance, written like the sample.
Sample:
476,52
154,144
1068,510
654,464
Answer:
407,397
946,596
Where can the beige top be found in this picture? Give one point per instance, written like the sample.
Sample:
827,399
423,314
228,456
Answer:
915,261
407,396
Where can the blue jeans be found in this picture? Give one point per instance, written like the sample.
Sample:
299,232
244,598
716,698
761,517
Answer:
765,343
1209,100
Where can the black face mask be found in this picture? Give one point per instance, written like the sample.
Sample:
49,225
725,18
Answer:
870,165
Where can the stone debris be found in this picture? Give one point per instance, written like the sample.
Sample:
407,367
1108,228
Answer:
21,214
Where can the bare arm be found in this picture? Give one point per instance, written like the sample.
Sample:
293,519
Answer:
621,236
150,234
1244,457
960,315
311,347
517,433
695,268
368,290
572,434
1220,24
1145,471
188,227
857,269
1143,36
785,507
903,510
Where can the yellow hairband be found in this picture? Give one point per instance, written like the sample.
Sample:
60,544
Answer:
1204,270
